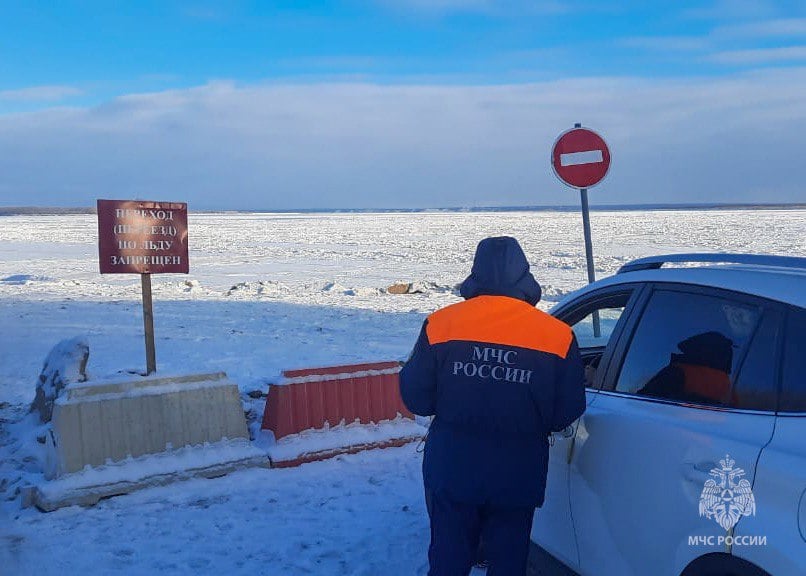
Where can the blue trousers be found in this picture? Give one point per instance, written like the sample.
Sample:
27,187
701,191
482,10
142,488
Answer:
456,529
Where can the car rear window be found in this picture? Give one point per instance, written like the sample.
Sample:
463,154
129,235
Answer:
793,392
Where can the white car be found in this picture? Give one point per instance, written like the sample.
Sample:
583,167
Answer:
690,458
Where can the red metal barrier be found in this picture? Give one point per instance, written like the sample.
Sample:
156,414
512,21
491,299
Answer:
316,397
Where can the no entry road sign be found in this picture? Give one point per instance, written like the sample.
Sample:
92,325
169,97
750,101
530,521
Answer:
580,158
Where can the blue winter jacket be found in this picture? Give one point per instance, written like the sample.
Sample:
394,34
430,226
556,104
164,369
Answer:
499,376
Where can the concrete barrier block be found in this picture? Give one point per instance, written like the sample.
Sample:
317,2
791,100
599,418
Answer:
98,422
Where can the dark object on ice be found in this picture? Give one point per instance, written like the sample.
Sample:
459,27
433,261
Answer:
66,363
255,394
420,287
399,288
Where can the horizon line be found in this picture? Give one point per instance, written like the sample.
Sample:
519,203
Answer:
55,210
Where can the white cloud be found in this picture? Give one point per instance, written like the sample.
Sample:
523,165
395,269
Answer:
782,27
761,55
269,146
667,43
40,94
736,10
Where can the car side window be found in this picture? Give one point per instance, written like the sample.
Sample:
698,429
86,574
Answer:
595,329
594,320
793,391
687,347
593,323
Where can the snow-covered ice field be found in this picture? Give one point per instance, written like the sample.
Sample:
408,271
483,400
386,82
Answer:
268,292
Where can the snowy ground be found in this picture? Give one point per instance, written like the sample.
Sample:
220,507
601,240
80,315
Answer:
265,293
355,515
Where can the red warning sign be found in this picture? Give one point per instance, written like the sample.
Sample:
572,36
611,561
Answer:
142,237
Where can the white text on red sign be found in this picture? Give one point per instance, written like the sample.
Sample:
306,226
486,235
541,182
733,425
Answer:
578,158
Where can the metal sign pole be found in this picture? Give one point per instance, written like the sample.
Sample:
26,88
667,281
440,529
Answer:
148,324
586,225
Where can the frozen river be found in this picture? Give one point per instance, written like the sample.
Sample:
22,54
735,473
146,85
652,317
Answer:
268,292
271,291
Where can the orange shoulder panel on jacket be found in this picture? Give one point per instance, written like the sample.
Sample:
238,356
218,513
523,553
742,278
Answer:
500,320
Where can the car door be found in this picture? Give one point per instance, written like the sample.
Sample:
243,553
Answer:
595,318
775,538
668,418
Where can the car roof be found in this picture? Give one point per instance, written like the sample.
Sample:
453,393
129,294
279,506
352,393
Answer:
786,285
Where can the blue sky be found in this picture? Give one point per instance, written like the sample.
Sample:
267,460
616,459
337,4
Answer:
396,102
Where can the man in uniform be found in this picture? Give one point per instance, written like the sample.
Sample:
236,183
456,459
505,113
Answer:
499,376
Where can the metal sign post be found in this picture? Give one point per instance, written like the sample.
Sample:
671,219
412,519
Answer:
581,159
586,226
148,324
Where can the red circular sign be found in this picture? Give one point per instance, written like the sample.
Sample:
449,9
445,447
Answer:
580,158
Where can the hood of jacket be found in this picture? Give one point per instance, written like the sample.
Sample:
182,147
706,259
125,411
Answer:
500,268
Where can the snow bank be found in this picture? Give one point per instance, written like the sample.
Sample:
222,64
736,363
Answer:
319,444
95,483
66,363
